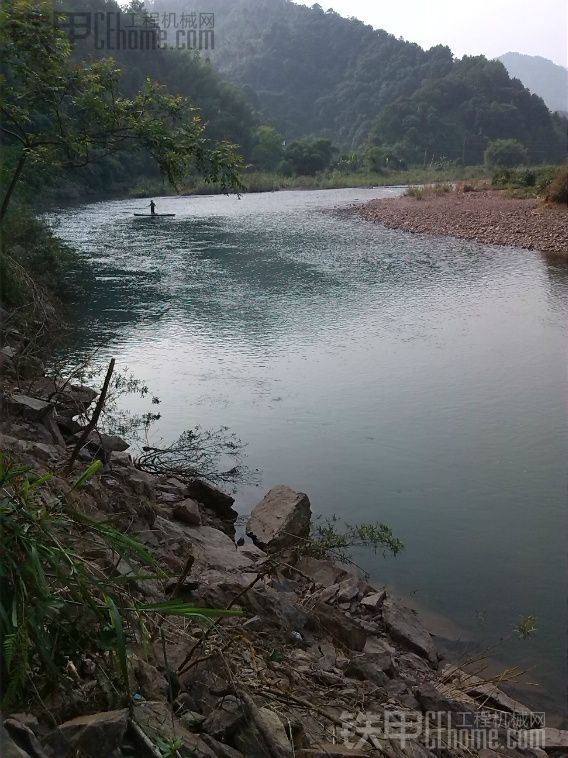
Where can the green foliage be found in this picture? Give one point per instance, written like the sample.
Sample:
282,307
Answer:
315,73
169,747
30,249
307,157
268,150
557,191
57,605
506,153
526,627
529,182
59,114
332,538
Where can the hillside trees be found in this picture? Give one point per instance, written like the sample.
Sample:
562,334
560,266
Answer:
57,113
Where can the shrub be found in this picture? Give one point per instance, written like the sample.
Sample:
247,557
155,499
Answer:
558,189
506,153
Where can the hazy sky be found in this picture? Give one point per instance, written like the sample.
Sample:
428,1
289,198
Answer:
469,27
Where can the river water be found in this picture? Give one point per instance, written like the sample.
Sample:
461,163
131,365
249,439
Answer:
414,380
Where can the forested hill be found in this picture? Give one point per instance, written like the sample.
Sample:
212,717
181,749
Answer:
541,76
313,72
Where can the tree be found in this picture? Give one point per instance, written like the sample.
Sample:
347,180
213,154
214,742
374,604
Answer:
308,156
267,153
60,114
506,153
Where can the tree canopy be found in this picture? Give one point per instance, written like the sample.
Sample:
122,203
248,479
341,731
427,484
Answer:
59,112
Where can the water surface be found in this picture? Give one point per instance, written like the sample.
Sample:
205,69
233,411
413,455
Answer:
413,380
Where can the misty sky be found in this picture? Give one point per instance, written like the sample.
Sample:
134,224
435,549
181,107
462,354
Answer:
469,27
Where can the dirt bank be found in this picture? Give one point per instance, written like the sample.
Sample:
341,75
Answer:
488,216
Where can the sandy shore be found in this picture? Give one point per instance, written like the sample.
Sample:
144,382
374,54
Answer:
488,216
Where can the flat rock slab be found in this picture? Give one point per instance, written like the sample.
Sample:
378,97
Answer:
280,520
403,626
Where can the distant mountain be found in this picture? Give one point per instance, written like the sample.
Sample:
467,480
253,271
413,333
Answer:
541,76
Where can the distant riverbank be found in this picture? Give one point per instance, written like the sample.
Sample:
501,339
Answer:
487,216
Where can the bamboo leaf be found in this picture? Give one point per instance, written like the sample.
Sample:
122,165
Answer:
116,621
175,608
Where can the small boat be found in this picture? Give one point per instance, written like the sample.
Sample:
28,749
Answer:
153,215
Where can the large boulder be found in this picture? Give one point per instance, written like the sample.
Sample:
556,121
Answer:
280,520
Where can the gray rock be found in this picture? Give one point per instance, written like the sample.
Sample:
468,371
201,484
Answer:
209,496
348,590
250,742
252,552
191,720
321,571
8,748
9,352
374,601
224,719
403,626
363,669
90,736
151,683
24,737
338,625
187,511
29,408
280,520
212,548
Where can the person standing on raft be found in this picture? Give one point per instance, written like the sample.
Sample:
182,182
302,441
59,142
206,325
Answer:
152,207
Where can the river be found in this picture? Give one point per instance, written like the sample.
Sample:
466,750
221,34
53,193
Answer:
414,380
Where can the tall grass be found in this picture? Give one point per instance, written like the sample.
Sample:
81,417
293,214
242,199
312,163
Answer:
272,182
61,599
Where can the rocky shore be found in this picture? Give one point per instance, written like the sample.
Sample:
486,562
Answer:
482,216
321,663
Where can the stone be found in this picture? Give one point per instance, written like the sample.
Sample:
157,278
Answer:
24,737
219,749
374,601
90,736
187,511
112,443
322,571
363,669
331,750
250,742
9,352
156,720
280,520
338,625
8,748
151,683
329,594
142,483
212,548
191,720
252,552
348,590
30,408
403,626
224,719
209,496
